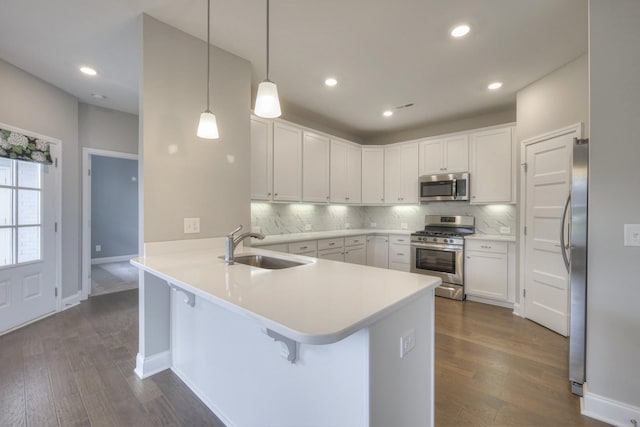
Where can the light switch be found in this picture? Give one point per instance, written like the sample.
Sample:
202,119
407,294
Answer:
191,225
632,234
98,248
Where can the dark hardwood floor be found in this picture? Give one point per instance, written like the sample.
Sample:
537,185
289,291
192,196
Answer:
76,368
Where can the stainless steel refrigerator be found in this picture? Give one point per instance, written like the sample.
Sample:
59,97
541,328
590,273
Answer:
574,253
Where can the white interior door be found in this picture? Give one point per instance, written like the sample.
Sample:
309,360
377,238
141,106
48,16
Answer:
548,183
28,249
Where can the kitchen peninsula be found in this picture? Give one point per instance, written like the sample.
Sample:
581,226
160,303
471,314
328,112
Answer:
321,343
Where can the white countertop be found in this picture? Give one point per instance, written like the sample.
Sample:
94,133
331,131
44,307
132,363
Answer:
318,303
318,235
492,237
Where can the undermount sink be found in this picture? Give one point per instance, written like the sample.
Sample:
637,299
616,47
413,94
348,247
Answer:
264,261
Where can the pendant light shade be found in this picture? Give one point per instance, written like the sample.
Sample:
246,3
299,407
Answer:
267,101
208,126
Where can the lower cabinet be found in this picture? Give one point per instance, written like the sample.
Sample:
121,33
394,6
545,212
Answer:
355,254
378,251
332,254
489,271
399,253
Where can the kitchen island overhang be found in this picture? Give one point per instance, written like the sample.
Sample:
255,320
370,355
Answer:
234,331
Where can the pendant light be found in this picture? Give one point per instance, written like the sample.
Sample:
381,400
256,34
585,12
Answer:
267,102
208,126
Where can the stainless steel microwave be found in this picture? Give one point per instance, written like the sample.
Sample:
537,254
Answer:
444,187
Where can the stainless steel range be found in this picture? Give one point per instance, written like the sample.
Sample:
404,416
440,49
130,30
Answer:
438,250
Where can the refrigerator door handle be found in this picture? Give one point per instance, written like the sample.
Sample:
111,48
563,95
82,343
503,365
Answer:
564,246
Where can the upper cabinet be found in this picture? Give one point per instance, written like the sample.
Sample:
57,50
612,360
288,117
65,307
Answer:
491,166
315,167
446,155
372,175
401,174
287,162
261,158
346,172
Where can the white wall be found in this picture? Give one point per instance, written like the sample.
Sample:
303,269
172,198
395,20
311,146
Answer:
32,104
185,176
107,129
613,339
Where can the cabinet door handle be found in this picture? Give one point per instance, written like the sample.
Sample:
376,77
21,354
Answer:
331,244
327,197
382,200
468,257
303,247
400,254
268,194
275,194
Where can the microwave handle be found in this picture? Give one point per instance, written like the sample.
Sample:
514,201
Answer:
454,188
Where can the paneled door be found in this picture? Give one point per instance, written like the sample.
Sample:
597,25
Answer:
28,249
548,183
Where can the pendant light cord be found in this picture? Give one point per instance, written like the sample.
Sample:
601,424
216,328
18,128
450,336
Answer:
208,51
268,40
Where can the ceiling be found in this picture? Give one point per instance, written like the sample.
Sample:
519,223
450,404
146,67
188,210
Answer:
384,53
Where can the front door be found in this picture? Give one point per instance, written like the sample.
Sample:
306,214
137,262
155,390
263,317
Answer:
28,255
548,183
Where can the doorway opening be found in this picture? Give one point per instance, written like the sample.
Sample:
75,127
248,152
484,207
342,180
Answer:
110,221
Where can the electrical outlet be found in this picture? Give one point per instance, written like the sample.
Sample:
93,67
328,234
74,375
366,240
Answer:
98,248
307,227
191,225
404,226
373,225
505,230
632,234
407,342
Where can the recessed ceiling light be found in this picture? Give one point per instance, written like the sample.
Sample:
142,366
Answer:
331,81
494,86
98,96
460,31
88,71
388,113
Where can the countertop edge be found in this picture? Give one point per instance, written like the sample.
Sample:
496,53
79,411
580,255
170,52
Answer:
275,239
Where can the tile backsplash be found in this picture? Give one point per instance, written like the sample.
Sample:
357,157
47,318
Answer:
281,218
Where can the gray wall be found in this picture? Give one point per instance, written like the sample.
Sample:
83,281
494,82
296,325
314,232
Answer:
107,129
32,104
477,120
613,340
114,206
185,176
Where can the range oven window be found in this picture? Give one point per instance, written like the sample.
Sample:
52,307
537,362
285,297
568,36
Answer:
436,260
436,188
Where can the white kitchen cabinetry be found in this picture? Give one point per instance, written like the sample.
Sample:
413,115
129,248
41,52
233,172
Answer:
372,175
399,253
287,163
346,172
315,167
491,166
447,155
307,248
401,174
336,254
489,271
355,251
261,158
378,251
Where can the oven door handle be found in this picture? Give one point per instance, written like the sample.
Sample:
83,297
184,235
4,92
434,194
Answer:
437,247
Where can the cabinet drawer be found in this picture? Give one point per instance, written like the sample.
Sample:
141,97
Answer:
399,266
399,240
302,247
330,243
487,246
399,253
354,240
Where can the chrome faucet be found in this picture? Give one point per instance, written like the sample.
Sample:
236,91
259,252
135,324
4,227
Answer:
232,242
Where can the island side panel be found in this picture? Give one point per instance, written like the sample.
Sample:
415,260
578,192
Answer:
238,372
154,326
402,391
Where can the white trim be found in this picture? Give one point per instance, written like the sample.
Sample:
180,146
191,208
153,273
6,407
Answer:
608,410
147,366
517,309
70,301
576,128
505,304
203,397
86,211
108,259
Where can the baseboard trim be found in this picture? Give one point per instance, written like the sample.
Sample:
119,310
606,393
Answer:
70,301
212,406
490,301
147,366
608,410
517,309
109,259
